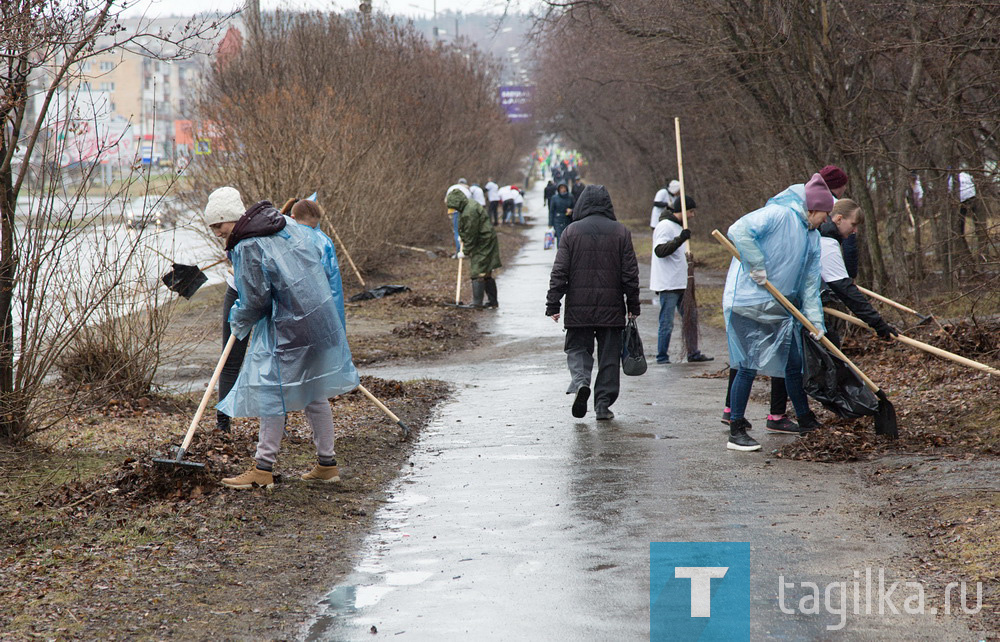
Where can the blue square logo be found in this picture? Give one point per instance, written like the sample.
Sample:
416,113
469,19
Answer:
699,590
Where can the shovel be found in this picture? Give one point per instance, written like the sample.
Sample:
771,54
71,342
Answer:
885,417
179,459
385,409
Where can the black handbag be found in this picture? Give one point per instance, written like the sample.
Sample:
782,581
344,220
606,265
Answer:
633,359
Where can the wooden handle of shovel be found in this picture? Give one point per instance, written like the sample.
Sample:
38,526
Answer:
343,248
801,318
458,279
208,395
920,345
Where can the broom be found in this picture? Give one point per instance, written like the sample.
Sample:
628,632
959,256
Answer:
689,313
885,416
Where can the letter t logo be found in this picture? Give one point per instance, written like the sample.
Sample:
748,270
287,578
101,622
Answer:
701,586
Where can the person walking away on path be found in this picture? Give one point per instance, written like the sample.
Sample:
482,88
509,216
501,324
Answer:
663,201
777,419
577,189
493,195
479,240
224,208
298,356
778,243
560,211
838,287
668,275
596,270
549,192
462,185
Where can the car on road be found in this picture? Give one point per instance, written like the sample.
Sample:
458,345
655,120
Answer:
149,210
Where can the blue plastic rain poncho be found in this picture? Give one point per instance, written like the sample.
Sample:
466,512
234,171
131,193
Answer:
325,244
775,238
288,295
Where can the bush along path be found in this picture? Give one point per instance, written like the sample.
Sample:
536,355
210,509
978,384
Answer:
98,543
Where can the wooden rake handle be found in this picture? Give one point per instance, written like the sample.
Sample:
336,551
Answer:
926,347
801,318
888,301
208,395
343,248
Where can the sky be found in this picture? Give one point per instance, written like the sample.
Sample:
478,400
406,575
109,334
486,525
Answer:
411,8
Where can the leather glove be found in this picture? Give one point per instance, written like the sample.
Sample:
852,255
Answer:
758,276
886,332
818,335
685,235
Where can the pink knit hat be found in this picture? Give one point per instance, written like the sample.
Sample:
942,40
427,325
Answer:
818,195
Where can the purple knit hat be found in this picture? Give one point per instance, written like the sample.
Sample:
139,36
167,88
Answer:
818,195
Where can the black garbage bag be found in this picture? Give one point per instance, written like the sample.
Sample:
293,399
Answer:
831,382
379,292
633,358
184,279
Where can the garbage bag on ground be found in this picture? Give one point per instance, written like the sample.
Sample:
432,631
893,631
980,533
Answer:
379,292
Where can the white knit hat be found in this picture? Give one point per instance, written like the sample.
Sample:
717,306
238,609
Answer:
674,186
224,206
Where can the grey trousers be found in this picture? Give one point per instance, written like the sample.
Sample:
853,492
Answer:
579,348
320,418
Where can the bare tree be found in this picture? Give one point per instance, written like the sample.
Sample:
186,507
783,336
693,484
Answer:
60,262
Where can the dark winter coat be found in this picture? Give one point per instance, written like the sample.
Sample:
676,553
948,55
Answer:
558,205
479,239
261,219
595,268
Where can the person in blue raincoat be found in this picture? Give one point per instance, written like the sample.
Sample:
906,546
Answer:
778,243
310,213
298,355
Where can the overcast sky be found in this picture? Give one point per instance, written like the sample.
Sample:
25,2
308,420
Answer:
154,8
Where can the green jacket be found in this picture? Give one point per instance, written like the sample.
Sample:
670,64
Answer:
479,239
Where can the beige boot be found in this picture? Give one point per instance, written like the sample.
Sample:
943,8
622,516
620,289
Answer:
323,474
253,477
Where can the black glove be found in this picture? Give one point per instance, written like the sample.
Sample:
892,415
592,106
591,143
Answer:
685,234
886,331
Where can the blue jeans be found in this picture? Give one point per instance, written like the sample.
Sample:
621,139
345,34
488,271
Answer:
740,392
454,225
669,301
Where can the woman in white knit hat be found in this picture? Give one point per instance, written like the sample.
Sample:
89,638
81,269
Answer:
225,207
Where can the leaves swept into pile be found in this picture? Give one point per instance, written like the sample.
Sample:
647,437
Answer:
941,406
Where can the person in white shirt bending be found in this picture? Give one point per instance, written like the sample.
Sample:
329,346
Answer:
665,199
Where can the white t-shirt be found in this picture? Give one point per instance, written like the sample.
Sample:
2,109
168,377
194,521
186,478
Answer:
518,198
669,272
477,194
506,193
492,191
831,262
663,196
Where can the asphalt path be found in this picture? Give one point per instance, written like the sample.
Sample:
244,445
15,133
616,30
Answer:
516,521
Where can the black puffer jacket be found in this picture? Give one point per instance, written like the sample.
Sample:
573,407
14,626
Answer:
595,267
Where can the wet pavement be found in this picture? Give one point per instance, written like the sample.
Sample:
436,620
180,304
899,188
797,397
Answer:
516,521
